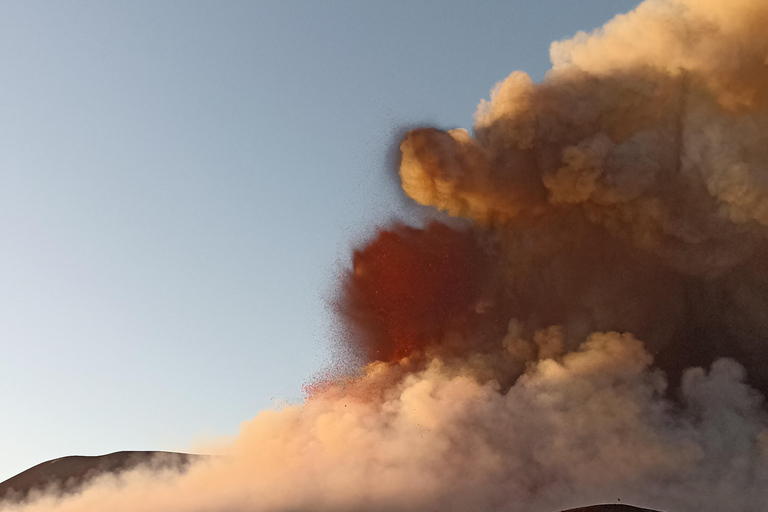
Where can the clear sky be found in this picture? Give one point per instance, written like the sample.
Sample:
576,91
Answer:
182,182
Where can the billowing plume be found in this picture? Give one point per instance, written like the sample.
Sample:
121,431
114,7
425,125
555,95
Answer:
628,191
652,126
587,428
623,198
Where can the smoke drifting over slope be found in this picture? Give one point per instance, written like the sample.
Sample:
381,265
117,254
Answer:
624,198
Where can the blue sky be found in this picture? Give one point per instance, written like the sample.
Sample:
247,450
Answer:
182,182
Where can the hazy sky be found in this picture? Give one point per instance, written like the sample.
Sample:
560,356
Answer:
183,181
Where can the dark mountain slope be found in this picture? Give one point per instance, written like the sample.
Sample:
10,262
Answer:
68,474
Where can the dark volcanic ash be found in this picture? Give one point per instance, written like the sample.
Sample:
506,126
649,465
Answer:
408,287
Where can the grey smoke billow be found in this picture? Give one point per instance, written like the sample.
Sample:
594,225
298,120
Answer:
618,350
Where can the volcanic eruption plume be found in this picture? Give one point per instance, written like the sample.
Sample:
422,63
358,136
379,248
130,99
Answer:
597,329
408,286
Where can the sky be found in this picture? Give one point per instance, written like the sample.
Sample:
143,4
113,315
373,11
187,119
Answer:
183,182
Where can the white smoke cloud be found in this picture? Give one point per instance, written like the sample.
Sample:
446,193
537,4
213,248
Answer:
588,427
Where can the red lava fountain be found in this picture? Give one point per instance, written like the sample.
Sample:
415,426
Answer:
407,286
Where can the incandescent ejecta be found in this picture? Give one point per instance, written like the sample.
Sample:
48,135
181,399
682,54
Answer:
593,330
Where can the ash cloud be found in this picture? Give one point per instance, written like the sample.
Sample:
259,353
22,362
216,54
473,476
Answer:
628,190
588,427
597,333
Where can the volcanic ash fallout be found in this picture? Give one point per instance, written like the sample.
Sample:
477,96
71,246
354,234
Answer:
597,329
